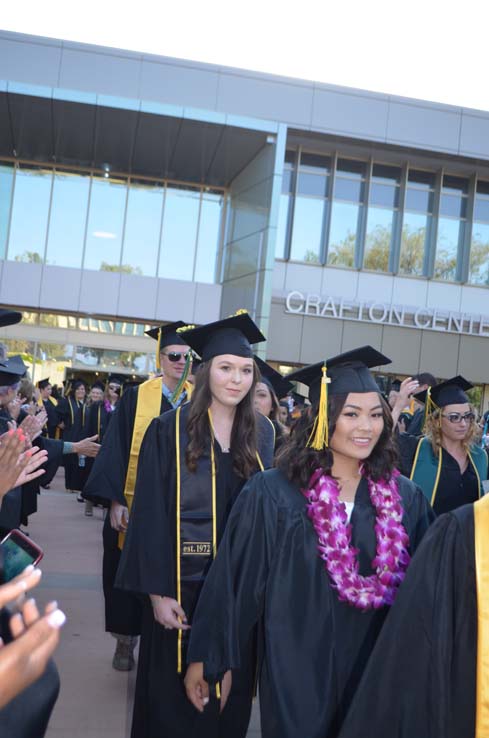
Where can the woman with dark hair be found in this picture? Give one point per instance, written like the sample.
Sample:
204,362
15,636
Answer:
193,462
267,390
290,559
447,462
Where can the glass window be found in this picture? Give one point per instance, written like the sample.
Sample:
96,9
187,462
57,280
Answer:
378,239
52,320
6,184
142,229
386,173
458,184
105,222
179,235
287,180
315,162
421,179
348,189
68,219
312,184
355,169
30,212
415,236
481,210
450,234
453,205
307,229
209,235
479,254
419,200
343,234
283,220
384,195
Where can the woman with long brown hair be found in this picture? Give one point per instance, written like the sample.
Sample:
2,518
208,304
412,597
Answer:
314,551
193,462
446,462
267,391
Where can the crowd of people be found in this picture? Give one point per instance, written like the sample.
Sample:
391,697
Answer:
312,536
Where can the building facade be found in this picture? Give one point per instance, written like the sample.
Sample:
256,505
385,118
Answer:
137,189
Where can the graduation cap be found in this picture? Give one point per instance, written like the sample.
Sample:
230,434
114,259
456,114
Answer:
232,335
9,317
273,379
396,385
11,371
166,335
43,383
115,379
98,385
450,392
340,375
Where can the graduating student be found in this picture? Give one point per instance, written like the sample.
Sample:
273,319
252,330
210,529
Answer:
447,463
193,463
319,585
113,475
71,411
50,405
267,391
429,673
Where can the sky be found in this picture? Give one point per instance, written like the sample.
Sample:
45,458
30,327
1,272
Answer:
425,49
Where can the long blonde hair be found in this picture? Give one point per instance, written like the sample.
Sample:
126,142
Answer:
434,432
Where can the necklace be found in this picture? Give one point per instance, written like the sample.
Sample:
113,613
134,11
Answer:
329,518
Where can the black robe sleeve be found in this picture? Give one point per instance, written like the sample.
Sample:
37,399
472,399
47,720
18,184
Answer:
147,560
420,680
235,587
265,440
108,475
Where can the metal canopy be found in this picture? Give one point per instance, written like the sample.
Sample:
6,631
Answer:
126,141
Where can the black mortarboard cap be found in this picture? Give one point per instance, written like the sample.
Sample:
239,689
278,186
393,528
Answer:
98,385
450,392
232,335
396,385
348,372
273,378
9,317
115,379
11,371
167,334
340,375
43,383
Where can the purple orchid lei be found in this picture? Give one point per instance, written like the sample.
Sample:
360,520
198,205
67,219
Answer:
329,518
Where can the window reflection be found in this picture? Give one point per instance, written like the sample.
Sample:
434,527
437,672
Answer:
104,231
29,214
6,186
451,227
68,219
307,229
179,234
479,247
416,229
378,239
142,229
209,234
343,234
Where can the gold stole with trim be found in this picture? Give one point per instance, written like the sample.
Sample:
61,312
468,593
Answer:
481,545
148,406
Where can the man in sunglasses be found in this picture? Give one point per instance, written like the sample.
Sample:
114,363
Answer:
447,462
113,476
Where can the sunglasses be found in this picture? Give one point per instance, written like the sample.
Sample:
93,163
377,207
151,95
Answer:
459,418
175,356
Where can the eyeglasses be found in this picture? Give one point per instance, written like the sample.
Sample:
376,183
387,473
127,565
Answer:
459,418
174,356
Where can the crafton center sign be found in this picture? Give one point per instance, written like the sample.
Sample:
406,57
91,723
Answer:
383,313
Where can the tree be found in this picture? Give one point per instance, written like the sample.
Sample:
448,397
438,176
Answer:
31,257
122,268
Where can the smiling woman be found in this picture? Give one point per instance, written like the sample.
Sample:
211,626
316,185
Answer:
315,551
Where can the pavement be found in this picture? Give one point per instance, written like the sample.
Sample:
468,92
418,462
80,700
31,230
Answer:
95,700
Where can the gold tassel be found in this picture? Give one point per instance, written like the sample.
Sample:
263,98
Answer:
429,407
158,349
319,437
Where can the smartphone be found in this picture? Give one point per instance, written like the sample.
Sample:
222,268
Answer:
18,551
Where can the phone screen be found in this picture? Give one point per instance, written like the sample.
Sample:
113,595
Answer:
15,559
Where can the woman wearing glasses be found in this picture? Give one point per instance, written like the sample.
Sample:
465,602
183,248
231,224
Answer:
446,462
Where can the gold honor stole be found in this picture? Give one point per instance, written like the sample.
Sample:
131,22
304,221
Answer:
148,406
481,545
196,525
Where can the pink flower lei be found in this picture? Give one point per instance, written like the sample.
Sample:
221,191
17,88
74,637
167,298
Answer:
329,518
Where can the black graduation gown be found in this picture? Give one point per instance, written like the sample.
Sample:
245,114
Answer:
421,678
53,419
106,483
67,410
268,571
97,422
454,488
148,566
27,715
